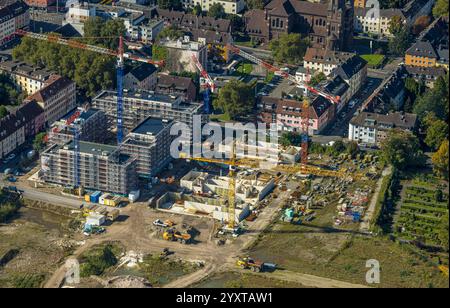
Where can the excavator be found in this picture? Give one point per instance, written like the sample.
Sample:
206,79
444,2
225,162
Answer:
174,235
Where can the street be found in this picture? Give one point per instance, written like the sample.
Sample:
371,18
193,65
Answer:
340,126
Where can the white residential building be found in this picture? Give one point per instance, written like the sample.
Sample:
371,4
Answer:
372,128
366,21
230,6
323,60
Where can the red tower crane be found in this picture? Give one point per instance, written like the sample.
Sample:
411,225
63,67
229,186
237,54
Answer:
208,84
306,105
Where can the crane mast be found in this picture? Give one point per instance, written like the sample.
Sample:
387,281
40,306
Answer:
209,85
306,104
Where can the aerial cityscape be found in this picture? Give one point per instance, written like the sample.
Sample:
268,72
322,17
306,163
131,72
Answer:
224,144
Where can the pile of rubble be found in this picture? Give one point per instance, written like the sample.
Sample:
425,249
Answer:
353,206
131,259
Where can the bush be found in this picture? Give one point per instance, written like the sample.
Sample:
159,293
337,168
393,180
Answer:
26,281
7,210
98,262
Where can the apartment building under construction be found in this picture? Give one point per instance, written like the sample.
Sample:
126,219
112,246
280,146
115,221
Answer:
139,105
150,144
91,125
98,167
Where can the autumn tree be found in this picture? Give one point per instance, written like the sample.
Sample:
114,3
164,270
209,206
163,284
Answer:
436,131
395,25
440,160
421,23
440,8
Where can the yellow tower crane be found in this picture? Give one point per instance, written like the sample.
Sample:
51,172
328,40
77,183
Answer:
235,163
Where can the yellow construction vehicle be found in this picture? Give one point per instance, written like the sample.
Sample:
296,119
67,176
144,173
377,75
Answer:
249,263
174,235
443,269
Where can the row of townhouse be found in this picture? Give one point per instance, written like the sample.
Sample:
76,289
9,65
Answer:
20,124
287,114
14,15
346,72
26,77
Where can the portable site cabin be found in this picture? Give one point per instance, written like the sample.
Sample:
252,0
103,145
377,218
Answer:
113,215
95,219
95,197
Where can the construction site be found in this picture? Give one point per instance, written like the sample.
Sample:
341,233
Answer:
265,210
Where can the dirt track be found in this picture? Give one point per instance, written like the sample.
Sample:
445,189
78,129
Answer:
133,234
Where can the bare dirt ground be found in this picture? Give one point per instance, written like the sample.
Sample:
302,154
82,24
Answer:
136,233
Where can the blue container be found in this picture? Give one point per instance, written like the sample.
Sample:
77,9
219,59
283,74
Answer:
95,197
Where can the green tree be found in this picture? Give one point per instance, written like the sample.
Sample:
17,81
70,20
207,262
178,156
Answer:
289,48
3,112
171,32
97,263
401,149
336,148
399,43
290,138
217,11
352,149
197,10
170,5
440,160
434,100
159,52
104,33
9,95
237,22
236,99
91,71
255,4
316,79
440,8
395,25
436,131
39,141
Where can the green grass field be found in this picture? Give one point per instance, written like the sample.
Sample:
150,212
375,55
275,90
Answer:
373,60
244,69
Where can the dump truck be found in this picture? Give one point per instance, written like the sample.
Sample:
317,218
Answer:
253,265
174,235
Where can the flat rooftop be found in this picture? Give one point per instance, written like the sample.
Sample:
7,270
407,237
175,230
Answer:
94,148
151,126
